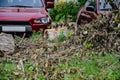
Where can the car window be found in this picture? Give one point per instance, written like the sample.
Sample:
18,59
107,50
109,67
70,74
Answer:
104,6
21,3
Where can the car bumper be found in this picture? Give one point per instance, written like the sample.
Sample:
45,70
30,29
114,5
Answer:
37,27
22,28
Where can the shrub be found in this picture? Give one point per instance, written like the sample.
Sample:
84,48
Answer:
65,11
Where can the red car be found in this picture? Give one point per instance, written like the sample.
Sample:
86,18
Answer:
93,8
24,15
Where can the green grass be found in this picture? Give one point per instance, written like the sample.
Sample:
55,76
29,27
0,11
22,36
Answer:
6,70
92,66
36,35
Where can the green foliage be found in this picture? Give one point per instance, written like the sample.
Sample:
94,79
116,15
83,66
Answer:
50,41
62,37
81,2
65,11
88,45
117,18
36,35
70,34
6,71
91,67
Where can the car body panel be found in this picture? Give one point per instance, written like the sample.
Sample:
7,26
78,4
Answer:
21,14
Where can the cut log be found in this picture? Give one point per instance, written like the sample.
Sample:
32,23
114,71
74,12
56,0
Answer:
53,34
7,44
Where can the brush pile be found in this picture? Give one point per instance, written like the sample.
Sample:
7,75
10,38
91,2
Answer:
103,34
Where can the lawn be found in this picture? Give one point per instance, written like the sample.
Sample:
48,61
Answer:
87,66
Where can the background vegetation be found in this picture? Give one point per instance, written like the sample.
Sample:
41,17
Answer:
64,11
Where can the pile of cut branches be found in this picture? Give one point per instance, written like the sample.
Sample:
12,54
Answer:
103,34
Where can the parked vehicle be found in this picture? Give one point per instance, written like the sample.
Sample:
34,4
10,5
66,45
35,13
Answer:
93,8
24,15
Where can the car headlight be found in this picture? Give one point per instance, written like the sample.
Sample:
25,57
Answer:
42,20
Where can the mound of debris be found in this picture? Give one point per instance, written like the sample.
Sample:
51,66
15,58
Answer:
102,34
